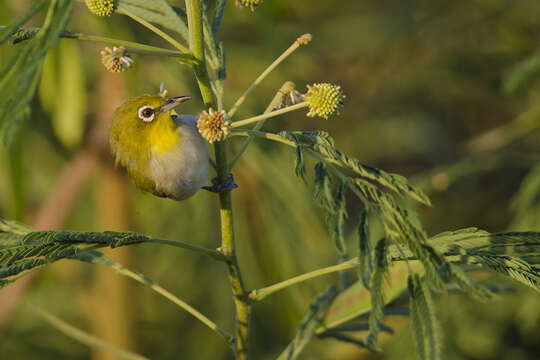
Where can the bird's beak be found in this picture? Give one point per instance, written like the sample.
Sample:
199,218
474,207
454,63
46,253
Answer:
172,102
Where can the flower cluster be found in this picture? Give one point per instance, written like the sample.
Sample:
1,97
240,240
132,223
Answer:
214,125
324,99
251,4
101,7
116,59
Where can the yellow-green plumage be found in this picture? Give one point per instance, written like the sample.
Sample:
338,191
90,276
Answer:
163,154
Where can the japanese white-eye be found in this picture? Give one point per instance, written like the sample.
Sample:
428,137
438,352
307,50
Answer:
162,151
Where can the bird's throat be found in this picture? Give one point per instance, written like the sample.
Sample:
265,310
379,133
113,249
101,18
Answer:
164,137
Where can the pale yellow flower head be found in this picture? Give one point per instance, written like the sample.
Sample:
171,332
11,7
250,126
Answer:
324,99
116,59
214,125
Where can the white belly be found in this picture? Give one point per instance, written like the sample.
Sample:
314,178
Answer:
180,173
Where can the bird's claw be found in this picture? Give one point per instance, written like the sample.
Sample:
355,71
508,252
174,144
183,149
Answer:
219,188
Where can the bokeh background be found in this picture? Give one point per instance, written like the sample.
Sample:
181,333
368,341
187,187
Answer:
443,92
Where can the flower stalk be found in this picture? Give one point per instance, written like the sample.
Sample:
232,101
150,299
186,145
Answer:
259,294
302,40
269,115
285,89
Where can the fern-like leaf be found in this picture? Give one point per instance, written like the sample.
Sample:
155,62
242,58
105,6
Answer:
309,324
365,260
425,306
323,144
18,81
376,315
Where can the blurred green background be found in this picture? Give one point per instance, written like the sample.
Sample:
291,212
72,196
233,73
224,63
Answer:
443,92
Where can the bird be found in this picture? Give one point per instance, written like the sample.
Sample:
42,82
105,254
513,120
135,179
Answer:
162,151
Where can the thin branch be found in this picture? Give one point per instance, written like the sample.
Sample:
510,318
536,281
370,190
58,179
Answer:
214,254
286,88
269,115
260,294
302,40
26,34
168,295
262,135
85,337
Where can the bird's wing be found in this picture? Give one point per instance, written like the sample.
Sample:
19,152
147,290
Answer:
187,119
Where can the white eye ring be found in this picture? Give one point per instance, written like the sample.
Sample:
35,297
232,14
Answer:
146,113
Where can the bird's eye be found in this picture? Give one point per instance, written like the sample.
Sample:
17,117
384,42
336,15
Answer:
146,113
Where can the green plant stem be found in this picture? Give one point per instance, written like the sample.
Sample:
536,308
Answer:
241,300
129,45
84,337
269,115
214,254
37,6
285,89
196,45
259,294
304,39
165,293
163,35
262,135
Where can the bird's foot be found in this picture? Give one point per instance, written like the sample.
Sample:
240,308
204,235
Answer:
219,188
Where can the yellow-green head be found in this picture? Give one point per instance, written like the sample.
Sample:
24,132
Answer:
162,151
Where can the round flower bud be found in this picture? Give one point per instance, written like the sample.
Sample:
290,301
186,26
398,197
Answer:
101,7
116,59
304,39
323,100
214,125
251,4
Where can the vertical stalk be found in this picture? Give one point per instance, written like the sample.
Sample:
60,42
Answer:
241,299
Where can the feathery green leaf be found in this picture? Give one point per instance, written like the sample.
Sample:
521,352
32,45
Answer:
376,315
365,260
309,324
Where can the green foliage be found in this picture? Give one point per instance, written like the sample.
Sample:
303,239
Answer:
323,144
515,268
6,32
445,258
19,78
376,315
424,320
308,325
504,252
526,202
23,250
521,73
365,258
158,12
